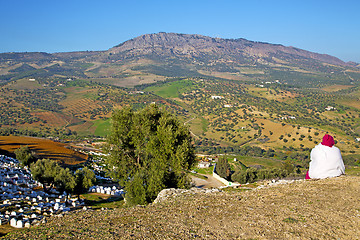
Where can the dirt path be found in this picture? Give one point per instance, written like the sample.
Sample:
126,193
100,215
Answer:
210,182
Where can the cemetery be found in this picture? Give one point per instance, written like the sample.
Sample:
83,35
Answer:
24,204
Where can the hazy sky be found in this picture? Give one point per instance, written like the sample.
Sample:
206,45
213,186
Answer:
331,27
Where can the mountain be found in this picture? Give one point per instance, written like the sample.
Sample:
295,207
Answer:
202,47
155,57
303,94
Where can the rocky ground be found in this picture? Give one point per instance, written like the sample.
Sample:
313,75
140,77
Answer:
322,209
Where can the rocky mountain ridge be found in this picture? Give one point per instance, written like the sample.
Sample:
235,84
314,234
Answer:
155,57
194,45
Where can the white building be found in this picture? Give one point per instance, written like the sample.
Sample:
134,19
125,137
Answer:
217,97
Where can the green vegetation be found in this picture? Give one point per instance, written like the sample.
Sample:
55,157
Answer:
96,201
25,156
205,171
149,150
102,127
50,174
172,89
223,168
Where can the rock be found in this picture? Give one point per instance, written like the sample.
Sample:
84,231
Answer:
172,192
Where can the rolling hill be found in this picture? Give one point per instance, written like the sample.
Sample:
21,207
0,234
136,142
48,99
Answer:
154,57
231,92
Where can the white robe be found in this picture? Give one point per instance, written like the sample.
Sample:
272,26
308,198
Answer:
325,162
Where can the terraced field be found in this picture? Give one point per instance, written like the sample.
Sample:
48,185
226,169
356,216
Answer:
44,148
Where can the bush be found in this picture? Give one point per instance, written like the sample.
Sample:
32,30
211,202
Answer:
135,193
239,177
252,175
25,155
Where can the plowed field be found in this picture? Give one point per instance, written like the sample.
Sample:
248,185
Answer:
44,148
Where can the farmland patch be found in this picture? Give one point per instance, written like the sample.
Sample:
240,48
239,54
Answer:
44,148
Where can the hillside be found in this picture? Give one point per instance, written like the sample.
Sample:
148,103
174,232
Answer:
237,96
154,57
323,209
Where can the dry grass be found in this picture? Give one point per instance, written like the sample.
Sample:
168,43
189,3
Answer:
324,209
335,88
55,119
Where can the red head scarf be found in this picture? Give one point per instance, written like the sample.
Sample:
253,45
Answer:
328,140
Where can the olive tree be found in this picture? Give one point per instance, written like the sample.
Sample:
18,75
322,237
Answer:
84,179
45,171
150,150
25,155
51,175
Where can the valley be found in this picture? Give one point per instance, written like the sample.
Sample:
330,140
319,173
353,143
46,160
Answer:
233,94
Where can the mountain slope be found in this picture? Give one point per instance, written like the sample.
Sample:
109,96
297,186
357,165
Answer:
155,57
195,46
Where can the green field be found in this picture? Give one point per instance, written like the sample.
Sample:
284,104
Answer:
98,200
248,161
171,90
102,127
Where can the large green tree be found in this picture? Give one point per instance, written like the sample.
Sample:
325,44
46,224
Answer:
150,150
65,180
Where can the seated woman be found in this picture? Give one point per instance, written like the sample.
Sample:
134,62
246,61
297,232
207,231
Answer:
325,160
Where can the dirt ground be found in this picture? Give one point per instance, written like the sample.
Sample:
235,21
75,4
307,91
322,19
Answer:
323,209
210,182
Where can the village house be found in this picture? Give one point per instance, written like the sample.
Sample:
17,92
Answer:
203,164
329,108
217,97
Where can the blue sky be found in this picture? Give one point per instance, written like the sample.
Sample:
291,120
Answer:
330,27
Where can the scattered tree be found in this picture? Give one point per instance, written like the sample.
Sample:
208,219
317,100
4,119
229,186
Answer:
51,175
